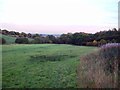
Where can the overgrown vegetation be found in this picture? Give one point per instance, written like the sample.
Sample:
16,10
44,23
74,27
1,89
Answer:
100,69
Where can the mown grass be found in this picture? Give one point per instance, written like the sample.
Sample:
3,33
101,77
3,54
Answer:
9,39
41,66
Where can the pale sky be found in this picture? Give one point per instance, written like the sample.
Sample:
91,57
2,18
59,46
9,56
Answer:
58,16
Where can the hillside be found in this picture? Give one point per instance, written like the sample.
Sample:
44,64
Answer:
9,39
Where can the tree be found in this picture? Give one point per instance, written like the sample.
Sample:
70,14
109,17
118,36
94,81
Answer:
51,38
95,43
89,43
114,29
29,35
65,38
22,40
12,33
113,41
39,40
23,34
79,38
2,41
36,35
102,42
5,32
36,40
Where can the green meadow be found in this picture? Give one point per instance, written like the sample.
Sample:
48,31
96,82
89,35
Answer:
41,65
9,39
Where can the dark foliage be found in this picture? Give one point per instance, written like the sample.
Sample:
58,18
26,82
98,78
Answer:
22,40
78,38
2,41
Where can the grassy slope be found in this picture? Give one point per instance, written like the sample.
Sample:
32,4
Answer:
19,70
9,39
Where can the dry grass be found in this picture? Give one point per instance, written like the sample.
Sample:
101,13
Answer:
100,69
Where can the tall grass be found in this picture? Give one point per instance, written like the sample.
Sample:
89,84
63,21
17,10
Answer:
100,69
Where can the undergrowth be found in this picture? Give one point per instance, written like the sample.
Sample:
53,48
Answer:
100,69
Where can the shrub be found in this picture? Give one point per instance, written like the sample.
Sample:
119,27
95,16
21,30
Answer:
36,40
100,69
89,44
95,43
22,40
2,41
102,42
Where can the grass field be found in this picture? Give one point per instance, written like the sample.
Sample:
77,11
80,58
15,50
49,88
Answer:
41,65
9,39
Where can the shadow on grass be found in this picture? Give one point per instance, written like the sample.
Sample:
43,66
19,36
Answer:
44,58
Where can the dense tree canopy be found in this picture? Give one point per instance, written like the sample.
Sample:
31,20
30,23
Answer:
78,38
22,40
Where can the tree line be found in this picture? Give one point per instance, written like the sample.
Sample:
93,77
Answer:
78,38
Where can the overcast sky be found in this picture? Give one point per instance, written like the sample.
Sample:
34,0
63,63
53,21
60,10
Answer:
58,16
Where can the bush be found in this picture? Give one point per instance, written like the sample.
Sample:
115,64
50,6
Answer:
100,69
102,42
35,41
22,40
89,44
2,41
38,40
95,43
